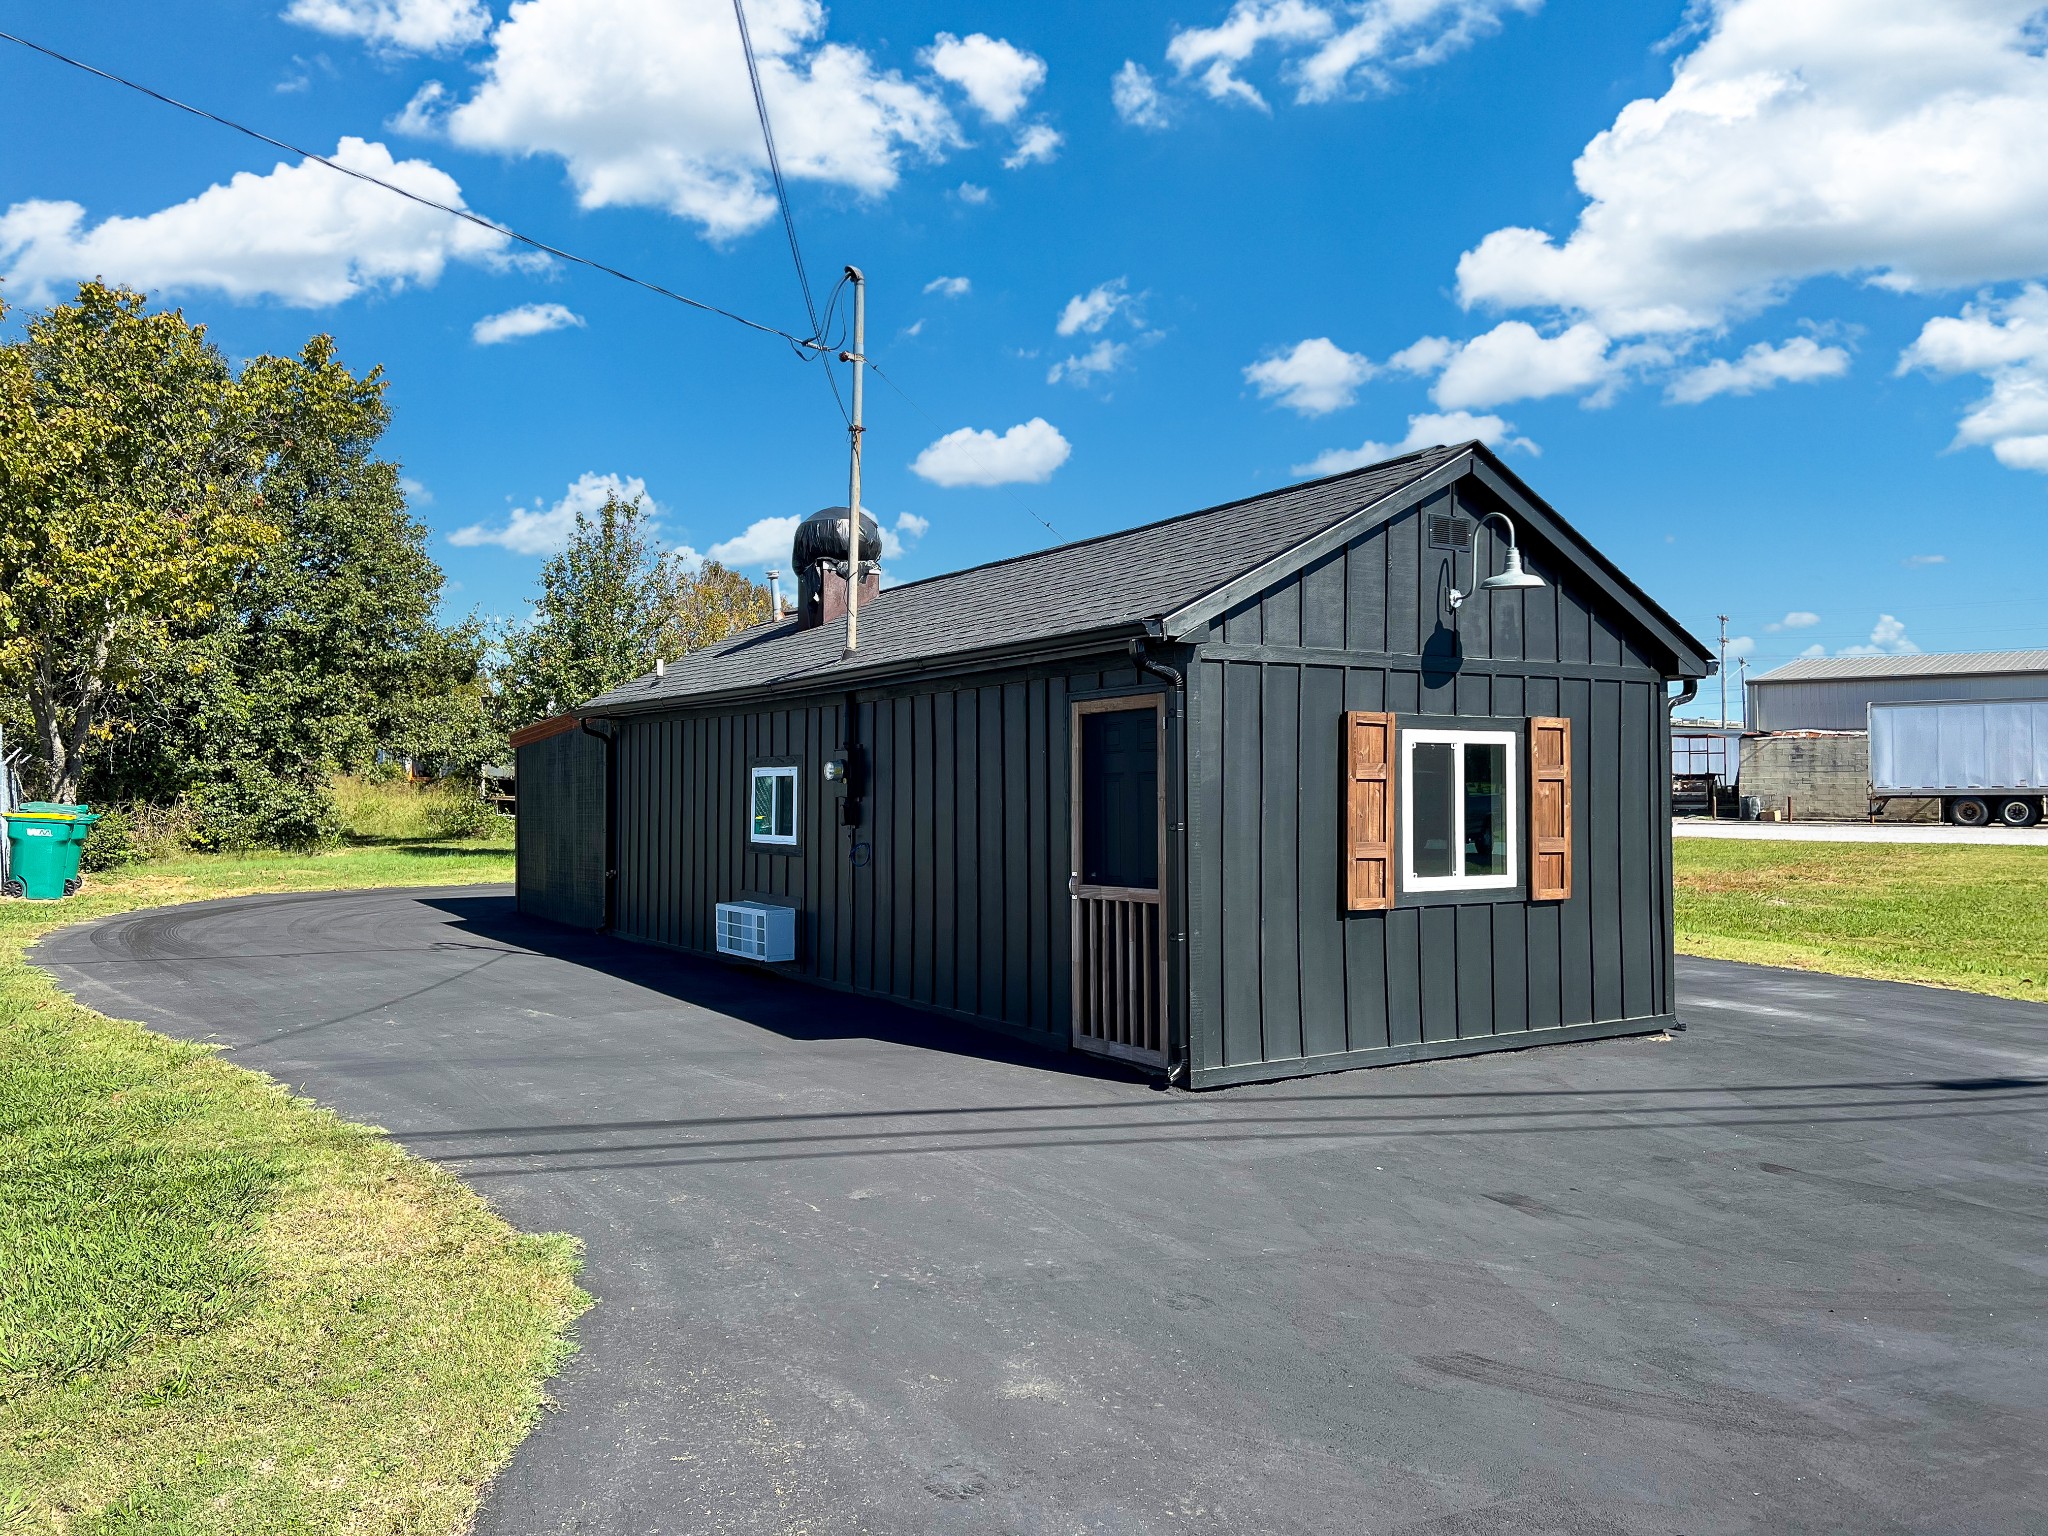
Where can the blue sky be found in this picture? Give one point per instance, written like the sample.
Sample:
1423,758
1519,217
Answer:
1745,289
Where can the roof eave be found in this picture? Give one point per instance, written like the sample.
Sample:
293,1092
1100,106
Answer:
833,680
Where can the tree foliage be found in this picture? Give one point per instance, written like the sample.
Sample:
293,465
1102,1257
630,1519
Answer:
237,632
610,604
128,501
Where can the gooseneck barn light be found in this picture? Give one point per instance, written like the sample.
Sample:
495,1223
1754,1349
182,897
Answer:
1511,578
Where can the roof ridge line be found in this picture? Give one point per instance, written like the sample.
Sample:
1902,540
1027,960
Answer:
1161,522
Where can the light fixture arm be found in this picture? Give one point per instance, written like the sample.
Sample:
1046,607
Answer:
1457,597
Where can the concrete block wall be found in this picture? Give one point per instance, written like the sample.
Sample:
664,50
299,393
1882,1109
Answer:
1821,778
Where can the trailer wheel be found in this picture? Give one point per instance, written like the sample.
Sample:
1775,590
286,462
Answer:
2019,813
1969,811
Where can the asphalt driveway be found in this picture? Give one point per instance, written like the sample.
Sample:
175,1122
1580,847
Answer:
860,1271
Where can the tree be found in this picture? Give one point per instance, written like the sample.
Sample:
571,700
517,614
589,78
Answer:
324,648
709,604
128,502
611,603
603,605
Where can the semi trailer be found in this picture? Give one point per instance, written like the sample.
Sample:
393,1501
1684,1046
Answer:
1985,761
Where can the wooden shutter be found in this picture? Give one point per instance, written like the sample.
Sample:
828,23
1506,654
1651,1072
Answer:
1550,808
1368,811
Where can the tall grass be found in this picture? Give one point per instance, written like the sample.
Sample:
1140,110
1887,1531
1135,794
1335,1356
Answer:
393,811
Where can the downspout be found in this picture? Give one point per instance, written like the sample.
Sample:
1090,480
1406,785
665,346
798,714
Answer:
610,738
1177,967
1688,691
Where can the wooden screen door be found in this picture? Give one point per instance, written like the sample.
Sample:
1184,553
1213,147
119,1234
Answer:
1119,854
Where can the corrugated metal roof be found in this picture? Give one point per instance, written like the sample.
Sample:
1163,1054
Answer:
1810,669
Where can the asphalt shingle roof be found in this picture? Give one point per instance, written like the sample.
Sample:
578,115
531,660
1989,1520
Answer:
1118,579
1813,669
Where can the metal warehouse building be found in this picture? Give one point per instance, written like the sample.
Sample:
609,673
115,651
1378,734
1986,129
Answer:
1834,693
1318,779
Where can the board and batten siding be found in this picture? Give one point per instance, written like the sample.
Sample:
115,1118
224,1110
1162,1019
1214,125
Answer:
1283,977
960,900
558,858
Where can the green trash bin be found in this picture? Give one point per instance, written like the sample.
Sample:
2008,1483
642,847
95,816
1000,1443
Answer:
44,841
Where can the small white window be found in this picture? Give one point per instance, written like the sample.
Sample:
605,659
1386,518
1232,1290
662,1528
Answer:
1460,820
775,806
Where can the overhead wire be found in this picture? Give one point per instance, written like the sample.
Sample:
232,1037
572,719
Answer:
796,254
815,345
805,346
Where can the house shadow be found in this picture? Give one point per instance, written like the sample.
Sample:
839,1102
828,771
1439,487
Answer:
795,1007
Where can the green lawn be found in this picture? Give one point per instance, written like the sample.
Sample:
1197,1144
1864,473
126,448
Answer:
222,1309
1961,916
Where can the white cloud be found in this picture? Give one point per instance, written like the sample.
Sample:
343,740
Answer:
1027,454
1740,646
949,288
1426,356
1425,431
1105,356
996,76
2006,343
1887,638
538,531
766,542
1925,560
422,114
1314,377
1763,366
1515,361
1037,144
409,26
1798,618
301,234
1889,140
1135,95
649,106
1333,50
970,194
526,320
415,493
1815,650
1089,312
898,540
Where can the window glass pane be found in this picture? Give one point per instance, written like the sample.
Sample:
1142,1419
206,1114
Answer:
764,804
1433,789
1486,808
785,805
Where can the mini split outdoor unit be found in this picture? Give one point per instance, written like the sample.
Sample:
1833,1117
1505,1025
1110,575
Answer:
756,930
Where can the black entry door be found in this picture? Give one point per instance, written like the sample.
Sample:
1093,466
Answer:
1118,976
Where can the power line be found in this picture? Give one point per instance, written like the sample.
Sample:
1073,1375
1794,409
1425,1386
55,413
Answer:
796,254
468,215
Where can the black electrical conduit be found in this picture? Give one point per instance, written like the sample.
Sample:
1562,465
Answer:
1177,1052
610,738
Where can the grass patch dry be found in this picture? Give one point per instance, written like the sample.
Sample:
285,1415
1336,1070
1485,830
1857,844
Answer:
223,1309
1963,916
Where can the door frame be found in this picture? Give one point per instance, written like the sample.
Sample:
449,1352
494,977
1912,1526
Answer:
1155,702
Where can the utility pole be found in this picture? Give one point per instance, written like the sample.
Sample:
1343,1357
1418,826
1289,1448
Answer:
1722,669
1742,680
857,358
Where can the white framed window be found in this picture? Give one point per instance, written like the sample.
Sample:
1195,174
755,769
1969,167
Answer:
1460,813
774,806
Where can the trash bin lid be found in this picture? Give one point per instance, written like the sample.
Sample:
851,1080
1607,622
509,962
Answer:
51,810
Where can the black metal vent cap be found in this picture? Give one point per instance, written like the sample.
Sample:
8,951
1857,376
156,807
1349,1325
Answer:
824,534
